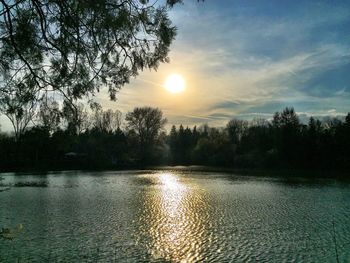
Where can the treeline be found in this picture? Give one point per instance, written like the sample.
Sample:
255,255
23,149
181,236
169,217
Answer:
73,137
283,142
98,139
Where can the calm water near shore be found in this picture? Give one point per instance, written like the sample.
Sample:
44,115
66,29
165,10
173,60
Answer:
173,216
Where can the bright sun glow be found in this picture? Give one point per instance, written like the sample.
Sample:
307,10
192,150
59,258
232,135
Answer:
175,83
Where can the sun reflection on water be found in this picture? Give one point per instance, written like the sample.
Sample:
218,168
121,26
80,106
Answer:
173,220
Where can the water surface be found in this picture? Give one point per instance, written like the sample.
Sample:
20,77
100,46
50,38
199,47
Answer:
173,216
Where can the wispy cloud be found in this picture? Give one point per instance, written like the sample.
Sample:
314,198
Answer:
249,59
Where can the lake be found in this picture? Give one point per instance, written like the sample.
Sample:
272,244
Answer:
173,216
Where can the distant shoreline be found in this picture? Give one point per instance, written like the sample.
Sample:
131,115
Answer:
307,173
260,172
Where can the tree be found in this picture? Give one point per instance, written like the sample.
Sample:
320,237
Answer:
289,119
173,136
147,123
287,130
236,129
173,144
108,120
75,47
19,105
50,115
214,149
77,118
347,119
312,147
257,138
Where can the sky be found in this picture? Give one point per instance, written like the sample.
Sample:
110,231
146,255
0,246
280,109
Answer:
249,59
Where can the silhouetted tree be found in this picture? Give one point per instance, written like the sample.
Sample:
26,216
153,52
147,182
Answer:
312,147
256,143
181,144
76,117
108,120
49,114
287,129
147,123
236,129
195,135
213,149
35,147
173,144
76,47
18,103
347,120
282,143
204,130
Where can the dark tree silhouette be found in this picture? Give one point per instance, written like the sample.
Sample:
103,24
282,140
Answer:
76,118
107,120
147,123
282,143
182,143
19,105
49,114
236,129
75,47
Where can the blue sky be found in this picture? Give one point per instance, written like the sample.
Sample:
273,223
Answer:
248,59
269,54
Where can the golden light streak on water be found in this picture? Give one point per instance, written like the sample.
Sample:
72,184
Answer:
171,220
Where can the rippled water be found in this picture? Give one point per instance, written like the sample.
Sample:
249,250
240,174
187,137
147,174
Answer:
173,216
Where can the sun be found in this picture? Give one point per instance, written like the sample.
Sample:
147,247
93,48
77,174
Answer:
175,83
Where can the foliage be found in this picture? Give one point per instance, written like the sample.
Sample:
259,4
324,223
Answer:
283,142
146,123
50,115
76,117
75,47
108,120
19,104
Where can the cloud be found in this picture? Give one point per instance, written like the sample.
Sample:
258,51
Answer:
249,59
241,58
